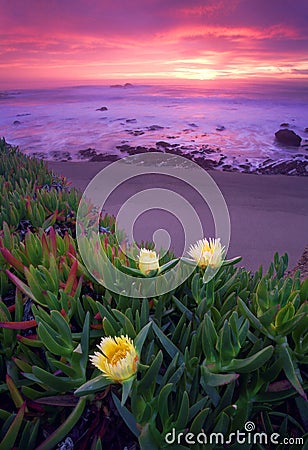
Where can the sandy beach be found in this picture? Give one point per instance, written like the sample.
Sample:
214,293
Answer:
268,213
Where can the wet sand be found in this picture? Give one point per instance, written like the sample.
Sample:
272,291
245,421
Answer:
268,213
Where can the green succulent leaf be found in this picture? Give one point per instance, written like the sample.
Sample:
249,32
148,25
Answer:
231,262
126,416
217,379
149,379
167,344
94,385
304,290
64,428
250,363
9,439
141,337
162,405
168,265
290,369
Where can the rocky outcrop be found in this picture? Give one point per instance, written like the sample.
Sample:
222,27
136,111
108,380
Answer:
288,137
59,155
291,167
162,144
87,153
154,128
135,132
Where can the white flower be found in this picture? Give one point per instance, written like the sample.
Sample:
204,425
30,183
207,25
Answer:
207,253
148,260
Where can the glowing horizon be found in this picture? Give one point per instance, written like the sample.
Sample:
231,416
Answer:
58,42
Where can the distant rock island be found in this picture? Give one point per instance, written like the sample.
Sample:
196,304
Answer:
126,85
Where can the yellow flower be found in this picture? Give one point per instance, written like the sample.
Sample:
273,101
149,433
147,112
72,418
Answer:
117,358
148,260
207,253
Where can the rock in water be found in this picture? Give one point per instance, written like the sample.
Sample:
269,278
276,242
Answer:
288,137
87,153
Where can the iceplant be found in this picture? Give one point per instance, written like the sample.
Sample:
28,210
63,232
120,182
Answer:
117,358
148,265
207,253
148,260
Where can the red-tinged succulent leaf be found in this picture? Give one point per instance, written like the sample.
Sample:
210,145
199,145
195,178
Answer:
19,325
70,247
7,255
74,287
53,241
63,313
279,386
11,308
58,400
35,405
45,246
98,316
30,341
31,337
28,204
61,218
96,326
21,285
72,278
50,220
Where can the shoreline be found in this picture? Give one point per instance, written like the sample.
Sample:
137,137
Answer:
206,157
267,213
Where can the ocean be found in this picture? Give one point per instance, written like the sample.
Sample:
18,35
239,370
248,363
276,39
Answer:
232,128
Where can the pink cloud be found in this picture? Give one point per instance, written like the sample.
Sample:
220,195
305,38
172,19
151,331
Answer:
156,38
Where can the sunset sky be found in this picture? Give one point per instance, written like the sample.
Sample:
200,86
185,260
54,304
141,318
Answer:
46,42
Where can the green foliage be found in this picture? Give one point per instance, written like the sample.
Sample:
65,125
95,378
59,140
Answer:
31,193
211,355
